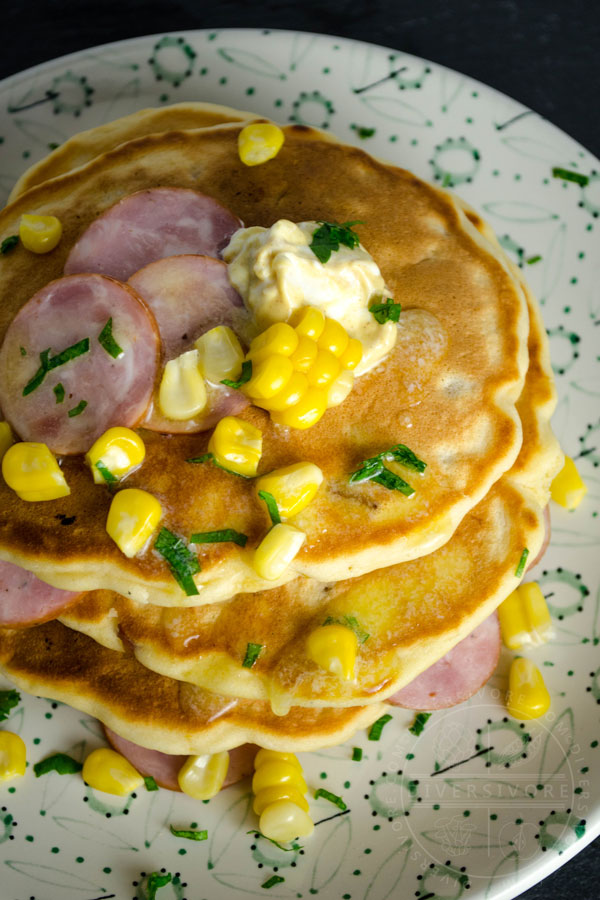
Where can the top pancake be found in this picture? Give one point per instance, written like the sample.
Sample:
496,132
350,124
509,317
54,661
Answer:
448,390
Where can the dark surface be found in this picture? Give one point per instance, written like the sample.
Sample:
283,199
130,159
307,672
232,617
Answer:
546,55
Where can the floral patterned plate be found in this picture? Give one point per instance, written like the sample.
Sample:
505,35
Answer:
479,805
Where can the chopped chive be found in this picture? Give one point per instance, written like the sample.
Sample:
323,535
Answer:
419,723
386,311
521,567
271,505
191,834
393,482
182,562
9,243
328,237
404,455
567,175
107,341
357,754
258,834
209,457
272,881
58,762
200,459
39,376
77,410
244,377
377,727
48,362
8,700
59,392
106,473
333,798
252,654
367,470
219,537
373,469
23,351
349,622
533,259
150,783
155,881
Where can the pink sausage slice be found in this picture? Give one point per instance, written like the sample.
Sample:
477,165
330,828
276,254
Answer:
164,767
150,225
188,296
25,600
457,675
79,399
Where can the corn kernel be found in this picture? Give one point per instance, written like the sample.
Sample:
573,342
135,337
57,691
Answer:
339,389
334,648
277,792
308,321
6,438
525,618
12,756
264,755
132,518
32,471
120,450
513,622
259,142
568,488
236,445
304,355
219,354
279,338
284,821
268,377
202,777
324,370
306,412
278,771
108,771
40,234
293,487
527,697
352,355
182,392
333,337
289,395
276,551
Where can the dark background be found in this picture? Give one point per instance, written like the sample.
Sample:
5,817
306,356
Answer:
544,54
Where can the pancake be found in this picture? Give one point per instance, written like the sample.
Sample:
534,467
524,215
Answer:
461,357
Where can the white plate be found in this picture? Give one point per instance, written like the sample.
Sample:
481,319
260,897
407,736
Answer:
423,822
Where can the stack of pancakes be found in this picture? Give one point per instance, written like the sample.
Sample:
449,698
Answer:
468,388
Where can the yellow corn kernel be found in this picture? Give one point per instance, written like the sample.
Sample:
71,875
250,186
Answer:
527,697
333,337
539,620
513,622
119,449
108,771
284,821
306,412
264,755
277,792
334,648
182,392
352,355
308,321
293,486
32,471
304,355
219,354
339,389
202,777
268,377
236,445
568,488
324,370
278,771
276,551
6,438
13,755
289,395
133,516
40,234
279,338
259,142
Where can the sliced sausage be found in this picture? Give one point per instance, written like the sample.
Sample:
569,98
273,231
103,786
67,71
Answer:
25,600
107,384
150,225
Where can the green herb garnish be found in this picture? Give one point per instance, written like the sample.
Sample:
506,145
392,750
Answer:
58,762
9,243
333,798
155,881
357,754
374,469
150,783
349,622
328,237
244,377
107,341
294,846
182,562
567,175
106,473
208,457
77,410
191,834
393,482
419,724
533,259
59,392
8,700
377,727
219,537
386,311
272,881
47,363
404,455
252,654
23,351
271,505
521,567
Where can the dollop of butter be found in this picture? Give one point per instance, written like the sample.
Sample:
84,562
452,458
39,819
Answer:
276,272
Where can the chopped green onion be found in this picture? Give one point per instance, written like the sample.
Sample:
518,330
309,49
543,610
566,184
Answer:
393,482
521,567
107,341
252,654
357,754
77,410
9,243
219,537
48,363
244,377
23,351
333,798
349,622
377,727
59,392
208,457
533,259
8,700
155,881
567,175
368,469
182,562
328,237
271,505
191,834
404,455
373,469
105,472
272,881
58,762
419,724
150,783
386,311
